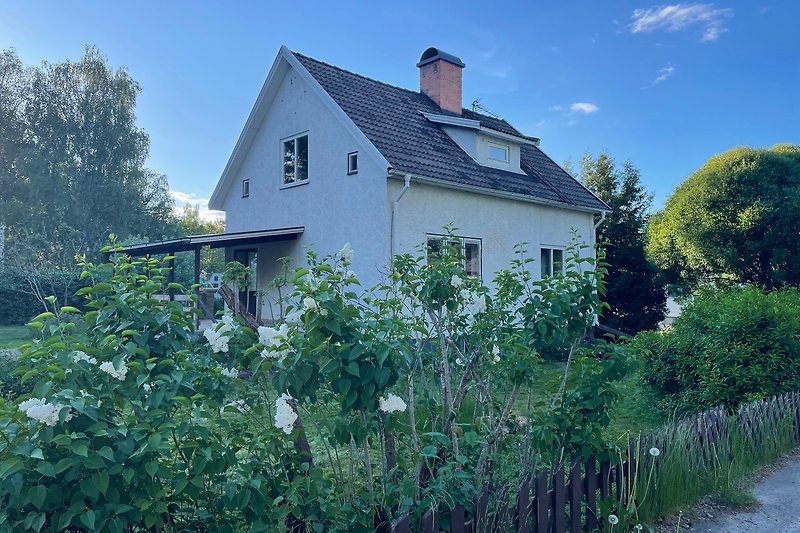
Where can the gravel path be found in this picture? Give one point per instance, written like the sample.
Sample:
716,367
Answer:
779,495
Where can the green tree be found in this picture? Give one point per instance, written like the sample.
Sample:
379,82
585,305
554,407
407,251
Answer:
635,292
211,259
72,157
736,219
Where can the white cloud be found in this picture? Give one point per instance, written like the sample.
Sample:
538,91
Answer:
584,107
664,74
183,198
680,17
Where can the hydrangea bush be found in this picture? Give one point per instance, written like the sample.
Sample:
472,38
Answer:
353,407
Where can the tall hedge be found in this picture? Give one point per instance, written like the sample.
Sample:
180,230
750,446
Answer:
16,305
728,346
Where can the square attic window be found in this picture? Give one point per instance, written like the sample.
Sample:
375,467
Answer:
498,152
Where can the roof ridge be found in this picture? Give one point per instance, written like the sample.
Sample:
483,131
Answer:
357,74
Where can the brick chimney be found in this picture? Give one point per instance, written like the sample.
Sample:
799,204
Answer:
440,78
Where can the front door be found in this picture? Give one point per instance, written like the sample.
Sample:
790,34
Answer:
247,295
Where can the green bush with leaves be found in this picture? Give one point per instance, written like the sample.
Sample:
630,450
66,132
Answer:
728,346
351,409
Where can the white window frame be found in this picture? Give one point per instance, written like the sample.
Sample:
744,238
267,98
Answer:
352,169
504,147
461,241
549,250
282,174
246,188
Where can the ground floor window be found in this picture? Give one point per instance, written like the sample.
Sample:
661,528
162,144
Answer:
552,261
468,248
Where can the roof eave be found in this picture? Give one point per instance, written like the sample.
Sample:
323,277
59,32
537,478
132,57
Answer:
399,174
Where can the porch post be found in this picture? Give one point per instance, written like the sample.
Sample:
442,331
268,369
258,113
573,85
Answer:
197,285
171,278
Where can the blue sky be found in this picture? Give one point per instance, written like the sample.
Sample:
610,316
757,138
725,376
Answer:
664,85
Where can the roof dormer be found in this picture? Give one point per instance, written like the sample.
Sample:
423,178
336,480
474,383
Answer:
487,146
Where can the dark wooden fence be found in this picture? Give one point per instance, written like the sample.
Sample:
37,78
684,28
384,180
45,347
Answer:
568,500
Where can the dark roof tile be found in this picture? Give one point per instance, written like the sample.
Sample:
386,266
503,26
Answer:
391,118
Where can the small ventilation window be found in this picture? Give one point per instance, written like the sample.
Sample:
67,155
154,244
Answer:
352,163
245,188
498,152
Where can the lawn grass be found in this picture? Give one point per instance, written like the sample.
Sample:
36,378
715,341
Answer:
13,336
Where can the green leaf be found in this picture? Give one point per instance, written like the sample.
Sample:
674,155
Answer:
87,518
46,469
43,316
151,468
37,495
100,481
70,309
353,369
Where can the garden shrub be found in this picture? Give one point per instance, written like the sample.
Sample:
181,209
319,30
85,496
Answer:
350,410
728,346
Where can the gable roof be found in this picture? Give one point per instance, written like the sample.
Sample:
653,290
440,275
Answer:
393,121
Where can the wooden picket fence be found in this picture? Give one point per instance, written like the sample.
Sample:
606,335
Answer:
568,500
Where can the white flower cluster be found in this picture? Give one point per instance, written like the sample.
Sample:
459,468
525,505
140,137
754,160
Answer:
310,303
345,255
119,373
295,318
230,373
391,404
285,415
46,413
495,354
239,405
273,339
455,281
473,304
218,342
227,324
81,356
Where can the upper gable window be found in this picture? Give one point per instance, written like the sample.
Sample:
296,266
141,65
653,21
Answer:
352,163
295,160
246,188
498,152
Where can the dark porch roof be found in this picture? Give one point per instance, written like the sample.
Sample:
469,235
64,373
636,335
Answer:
214,240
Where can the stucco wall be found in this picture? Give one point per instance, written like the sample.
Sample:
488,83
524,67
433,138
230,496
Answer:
500,223
334,207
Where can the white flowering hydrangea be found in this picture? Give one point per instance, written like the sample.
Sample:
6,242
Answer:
391,404
119,373
226,325
310,303
239,405
295,318
218,342
273,336
272,339
81,356
455,281
47,413
345,255
230,373
285,415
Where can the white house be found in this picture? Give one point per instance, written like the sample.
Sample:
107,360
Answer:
328,157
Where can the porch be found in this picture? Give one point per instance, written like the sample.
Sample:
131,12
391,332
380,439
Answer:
240,246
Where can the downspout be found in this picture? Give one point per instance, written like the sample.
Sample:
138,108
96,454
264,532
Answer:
395,203
602,219
596,321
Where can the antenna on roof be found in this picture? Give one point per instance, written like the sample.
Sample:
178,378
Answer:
476,106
